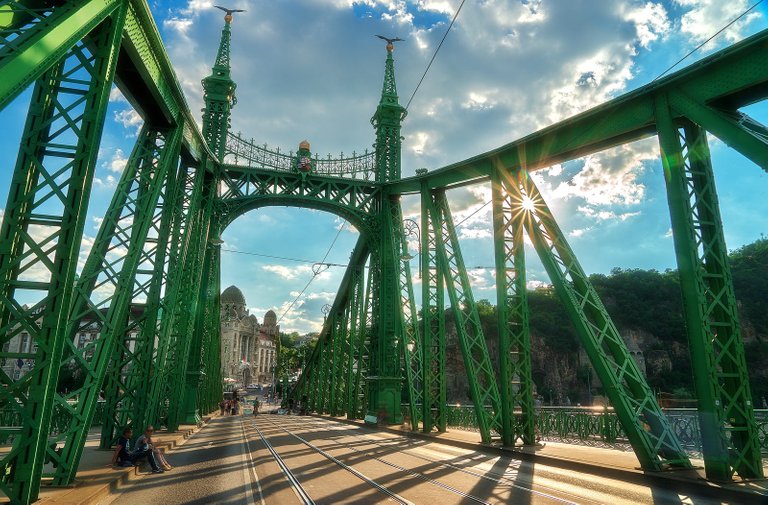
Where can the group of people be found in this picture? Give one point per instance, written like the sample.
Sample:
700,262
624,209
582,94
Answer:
145,448
229,407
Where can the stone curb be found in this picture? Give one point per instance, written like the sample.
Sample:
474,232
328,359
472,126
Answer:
81,493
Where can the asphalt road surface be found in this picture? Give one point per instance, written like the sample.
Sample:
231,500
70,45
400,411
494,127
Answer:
279,459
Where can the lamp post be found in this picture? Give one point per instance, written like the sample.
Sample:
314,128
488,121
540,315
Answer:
411,229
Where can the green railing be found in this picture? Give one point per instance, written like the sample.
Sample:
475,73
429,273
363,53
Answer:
247,153
10,418
600,426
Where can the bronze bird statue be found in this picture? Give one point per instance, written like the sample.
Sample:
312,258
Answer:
228,16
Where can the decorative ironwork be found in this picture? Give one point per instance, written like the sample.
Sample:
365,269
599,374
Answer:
242,152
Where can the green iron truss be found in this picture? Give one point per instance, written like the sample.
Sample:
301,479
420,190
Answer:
647,429
156,358
515,372
729,432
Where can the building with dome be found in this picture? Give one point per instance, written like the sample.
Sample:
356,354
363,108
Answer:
248,349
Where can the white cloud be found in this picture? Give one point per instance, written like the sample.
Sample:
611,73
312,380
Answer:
109,182
130,119
651,22
116,96
118,162
611,177
707,17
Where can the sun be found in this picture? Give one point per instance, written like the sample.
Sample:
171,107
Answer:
527,204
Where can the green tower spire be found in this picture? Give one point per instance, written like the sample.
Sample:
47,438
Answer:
219,95
387,122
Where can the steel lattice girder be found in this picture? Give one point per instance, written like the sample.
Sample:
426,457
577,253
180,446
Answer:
193,287
146,324
40,36
730,441
126,226
477,361
725,81
181,265
385,377
644,423
356,337
206,325
348,299
433,324
41,233
245,189
516,382
410,343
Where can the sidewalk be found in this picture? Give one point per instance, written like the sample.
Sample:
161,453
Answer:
606,462
97,478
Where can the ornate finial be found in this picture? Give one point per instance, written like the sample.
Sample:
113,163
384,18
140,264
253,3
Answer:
228,15
390,42
304,144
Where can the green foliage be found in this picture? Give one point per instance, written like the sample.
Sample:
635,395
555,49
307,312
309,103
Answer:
749,266
649,304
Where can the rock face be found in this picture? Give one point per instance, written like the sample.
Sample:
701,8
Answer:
565,378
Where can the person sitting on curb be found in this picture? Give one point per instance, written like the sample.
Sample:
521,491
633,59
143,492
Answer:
123,456
144,442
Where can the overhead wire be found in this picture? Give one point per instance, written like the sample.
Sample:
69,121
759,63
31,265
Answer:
434,55
721,30
315,273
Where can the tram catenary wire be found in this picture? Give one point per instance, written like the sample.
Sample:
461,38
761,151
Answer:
434,55
342,265
721,30
315,273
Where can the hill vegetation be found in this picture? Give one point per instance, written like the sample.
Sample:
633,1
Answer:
647,309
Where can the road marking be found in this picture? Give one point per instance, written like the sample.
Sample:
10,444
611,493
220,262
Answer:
249,468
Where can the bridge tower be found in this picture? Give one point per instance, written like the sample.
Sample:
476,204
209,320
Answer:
384,381
219,95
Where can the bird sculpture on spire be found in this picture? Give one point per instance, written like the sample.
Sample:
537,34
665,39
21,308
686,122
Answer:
390,42
228,16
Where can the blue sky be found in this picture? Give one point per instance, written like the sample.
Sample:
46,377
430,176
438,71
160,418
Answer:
313,69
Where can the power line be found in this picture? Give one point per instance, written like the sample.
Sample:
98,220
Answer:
315,273
285,258
473,213
721,30
435,54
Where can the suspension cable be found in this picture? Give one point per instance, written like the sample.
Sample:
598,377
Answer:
434,55
721,30
315,273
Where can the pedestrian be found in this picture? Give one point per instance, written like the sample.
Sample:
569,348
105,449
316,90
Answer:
222,404
255,406
228,407
124,456
145,442
235,407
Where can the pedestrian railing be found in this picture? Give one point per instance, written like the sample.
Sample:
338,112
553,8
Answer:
600,426
10,418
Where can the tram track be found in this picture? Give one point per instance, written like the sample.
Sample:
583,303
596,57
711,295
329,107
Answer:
301,493
501,480
494,477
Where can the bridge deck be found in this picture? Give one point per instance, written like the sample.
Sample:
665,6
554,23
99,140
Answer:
454,459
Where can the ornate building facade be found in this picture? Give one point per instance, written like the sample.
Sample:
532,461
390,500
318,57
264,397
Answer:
248,349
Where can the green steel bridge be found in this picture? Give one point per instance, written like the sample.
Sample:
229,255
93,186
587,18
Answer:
158,247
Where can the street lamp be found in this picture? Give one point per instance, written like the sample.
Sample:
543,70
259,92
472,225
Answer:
411,229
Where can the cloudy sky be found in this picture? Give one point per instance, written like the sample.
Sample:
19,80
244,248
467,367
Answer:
312,69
